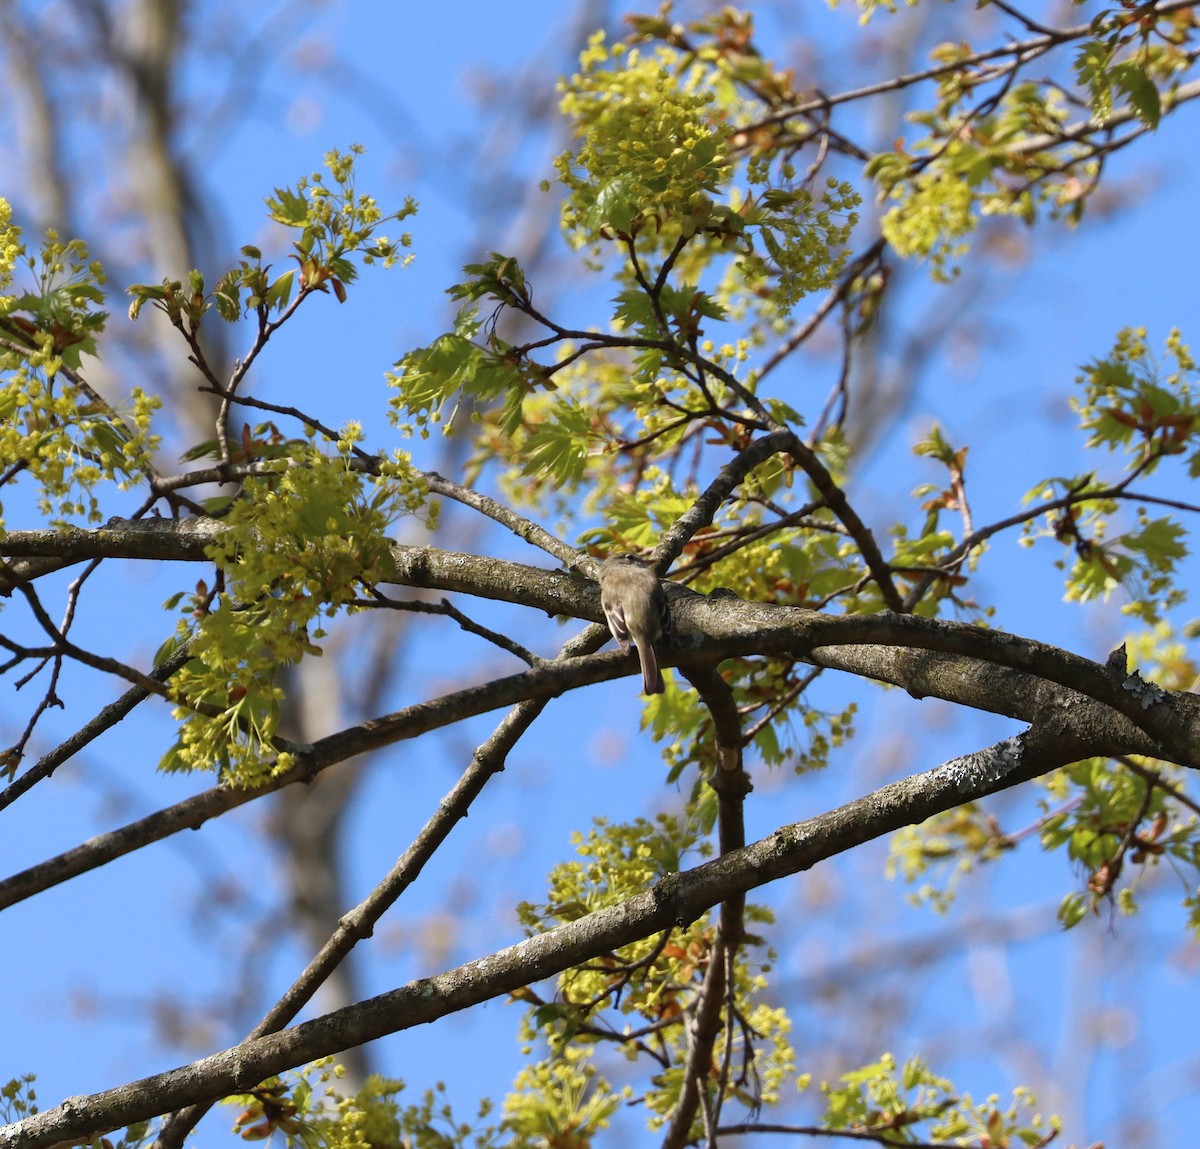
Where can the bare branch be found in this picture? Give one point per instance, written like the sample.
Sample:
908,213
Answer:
520,526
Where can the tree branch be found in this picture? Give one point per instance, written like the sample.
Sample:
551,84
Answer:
1021,50
411,722
677,899
985,669
113,713
488,760
520,526
729,780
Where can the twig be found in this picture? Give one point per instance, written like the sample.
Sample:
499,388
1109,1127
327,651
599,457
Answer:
444,607
1021,48
884,1136
520,526
955,557
1028,21
95,661
106,719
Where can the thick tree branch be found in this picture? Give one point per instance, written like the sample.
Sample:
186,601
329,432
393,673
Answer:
985,669
729,780
705,506
870,646
187,539
678,899
411,722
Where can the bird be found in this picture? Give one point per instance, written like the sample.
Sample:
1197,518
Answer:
635,607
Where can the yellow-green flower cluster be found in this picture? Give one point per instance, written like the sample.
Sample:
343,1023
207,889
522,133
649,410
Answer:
67,445
308,1108
655,980
11,249
651,154
298,546
563,1100
52,433
876,1100
338,220
1000,164
933,219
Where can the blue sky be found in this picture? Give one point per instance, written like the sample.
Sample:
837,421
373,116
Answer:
405,80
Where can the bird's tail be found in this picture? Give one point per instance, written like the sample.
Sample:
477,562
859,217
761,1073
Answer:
652,679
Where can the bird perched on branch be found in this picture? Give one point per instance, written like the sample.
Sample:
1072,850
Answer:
635,607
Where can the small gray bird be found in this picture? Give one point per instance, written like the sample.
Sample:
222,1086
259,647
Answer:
636,609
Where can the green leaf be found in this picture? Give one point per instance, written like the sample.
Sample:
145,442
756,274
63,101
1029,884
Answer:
171,645
1091,69
227,296
559,445
634,311
1160,540
1072,910
144,293
501,278
1143,95
614,208
288,208
217,505
281,291
209,449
